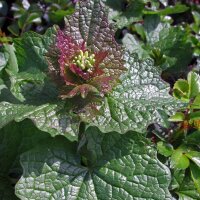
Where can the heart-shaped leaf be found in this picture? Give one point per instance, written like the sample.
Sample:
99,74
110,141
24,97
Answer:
126,168
142,98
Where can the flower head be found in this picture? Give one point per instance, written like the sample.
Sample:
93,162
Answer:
86,60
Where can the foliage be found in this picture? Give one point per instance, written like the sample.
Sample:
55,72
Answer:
94,110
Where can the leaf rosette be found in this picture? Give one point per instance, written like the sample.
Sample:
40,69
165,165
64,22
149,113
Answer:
140,99
86,60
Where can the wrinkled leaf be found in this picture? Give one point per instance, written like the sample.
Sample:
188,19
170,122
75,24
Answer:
141,99
32,87
31,49
126,169
15,138
51,118
134,46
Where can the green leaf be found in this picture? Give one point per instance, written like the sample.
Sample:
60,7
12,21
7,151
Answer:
127,168
139,28
5,94
172,42
34,17
187,190
3,58
158,57
194,115
194,84
178,8
12,64
25,83
195,173
134,46
51,118
164,149
196,16
2,85
177,178
58,15
187,89
31,49
14,29
196,102
60,2
125,13
15,138
22,20
194,156
179,159
194,138
181,90
178,117
31,86
153,27
142,98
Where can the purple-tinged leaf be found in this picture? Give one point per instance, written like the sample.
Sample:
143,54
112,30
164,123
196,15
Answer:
86,53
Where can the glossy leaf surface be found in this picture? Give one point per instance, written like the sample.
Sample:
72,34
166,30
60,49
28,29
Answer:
126,168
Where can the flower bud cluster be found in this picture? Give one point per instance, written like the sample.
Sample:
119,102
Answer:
84,60
85,63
